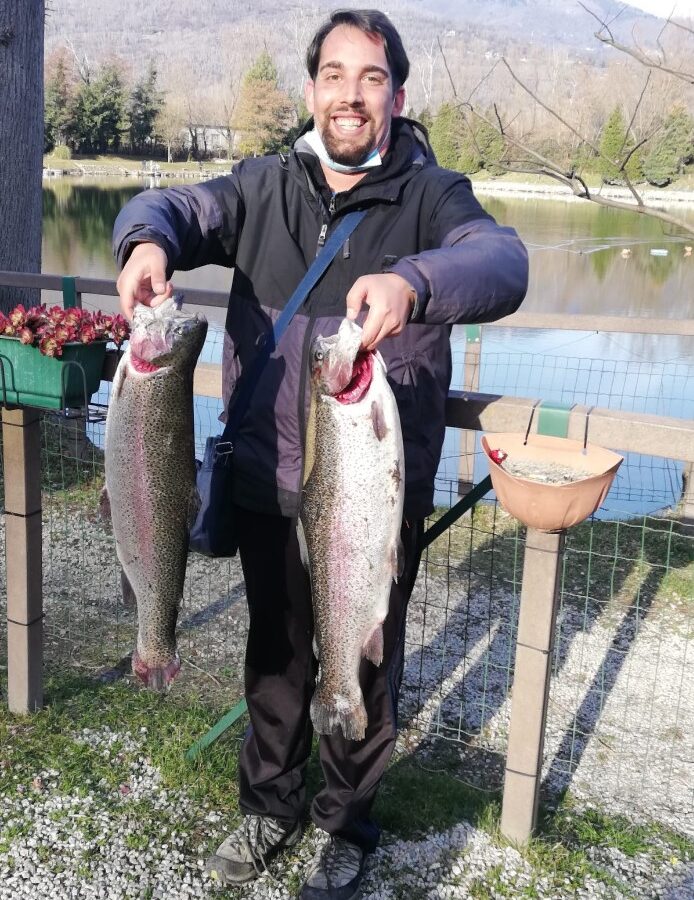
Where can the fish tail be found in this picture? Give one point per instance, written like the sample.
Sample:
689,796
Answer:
328,713
156,678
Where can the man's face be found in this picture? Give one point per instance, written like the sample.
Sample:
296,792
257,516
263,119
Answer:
352,98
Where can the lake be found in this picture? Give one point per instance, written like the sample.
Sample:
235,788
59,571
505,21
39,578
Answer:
577,266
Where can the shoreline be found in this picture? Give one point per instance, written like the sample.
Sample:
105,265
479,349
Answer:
535,190
543,191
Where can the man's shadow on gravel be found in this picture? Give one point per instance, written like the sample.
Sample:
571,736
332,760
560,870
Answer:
464,617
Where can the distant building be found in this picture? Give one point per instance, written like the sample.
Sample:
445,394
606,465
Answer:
212,139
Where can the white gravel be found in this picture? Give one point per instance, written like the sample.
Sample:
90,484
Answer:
135,839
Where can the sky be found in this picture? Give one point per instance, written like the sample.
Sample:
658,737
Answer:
664,7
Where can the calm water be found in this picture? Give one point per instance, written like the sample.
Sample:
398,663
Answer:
577,266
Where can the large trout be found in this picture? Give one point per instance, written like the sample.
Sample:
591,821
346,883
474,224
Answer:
150,476
350,520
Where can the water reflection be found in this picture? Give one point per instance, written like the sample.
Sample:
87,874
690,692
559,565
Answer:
584,259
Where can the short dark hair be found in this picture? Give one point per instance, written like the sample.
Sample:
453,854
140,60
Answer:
370,21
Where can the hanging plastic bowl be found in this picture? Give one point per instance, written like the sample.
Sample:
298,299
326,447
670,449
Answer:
550,507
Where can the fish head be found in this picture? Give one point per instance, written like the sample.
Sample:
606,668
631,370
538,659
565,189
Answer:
339,367
165,337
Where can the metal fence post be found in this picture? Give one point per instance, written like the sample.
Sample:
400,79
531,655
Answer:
534,644
22,466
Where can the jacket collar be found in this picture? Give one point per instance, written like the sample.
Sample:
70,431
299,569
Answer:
408,152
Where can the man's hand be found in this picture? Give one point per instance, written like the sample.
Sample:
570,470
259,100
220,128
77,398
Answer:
143,279
390,300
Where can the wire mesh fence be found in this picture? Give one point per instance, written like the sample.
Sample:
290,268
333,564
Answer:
621,711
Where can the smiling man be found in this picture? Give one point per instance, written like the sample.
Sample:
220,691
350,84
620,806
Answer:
426,256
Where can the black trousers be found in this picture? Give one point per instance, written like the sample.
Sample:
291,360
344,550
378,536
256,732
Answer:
280,674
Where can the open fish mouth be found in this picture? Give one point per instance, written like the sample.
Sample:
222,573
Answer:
360,382
143,366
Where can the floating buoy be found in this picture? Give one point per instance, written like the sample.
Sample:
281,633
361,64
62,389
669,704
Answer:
687,251
626,253
658,252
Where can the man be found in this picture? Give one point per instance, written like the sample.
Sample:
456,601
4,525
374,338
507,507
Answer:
425,256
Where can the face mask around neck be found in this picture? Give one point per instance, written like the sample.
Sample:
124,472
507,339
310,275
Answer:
315,142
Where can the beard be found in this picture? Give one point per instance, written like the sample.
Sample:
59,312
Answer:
345,151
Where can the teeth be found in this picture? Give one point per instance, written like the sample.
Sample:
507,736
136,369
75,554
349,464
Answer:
349,123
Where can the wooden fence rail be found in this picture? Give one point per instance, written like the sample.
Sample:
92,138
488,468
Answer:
470,410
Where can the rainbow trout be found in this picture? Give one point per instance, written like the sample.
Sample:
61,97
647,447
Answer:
350,519
150,476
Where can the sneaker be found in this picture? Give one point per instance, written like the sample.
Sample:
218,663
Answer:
245,853
336,872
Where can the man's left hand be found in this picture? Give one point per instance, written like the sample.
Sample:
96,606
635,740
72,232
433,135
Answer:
390,300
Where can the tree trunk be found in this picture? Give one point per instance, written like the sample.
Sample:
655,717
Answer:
21,143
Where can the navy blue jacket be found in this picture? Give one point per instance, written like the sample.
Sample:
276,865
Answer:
265,220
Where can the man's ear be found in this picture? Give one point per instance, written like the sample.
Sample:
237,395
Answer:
398,102
308,95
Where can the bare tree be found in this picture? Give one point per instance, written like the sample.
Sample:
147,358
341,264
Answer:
521,154
21,145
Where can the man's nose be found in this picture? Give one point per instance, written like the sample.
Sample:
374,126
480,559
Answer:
352,92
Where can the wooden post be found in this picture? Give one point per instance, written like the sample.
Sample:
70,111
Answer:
22,466
687,499
536,622
471,382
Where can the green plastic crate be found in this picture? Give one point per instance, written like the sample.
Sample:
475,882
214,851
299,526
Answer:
28,378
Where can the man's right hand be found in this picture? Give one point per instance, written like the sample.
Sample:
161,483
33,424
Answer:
143,279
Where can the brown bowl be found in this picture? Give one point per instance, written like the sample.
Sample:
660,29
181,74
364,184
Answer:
551,507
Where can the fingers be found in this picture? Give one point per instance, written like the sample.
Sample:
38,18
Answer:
389,299
143,279
356,298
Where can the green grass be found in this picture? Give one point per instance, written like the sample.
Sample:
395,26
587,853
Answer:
422,792
118,163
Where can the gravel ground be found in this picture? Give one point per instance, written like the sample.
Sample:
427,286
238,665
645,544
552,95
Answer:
619,732
93,847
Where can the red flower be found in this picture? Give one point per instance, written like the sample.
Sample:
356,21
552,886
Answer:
49,346
65,333
26,335
87,333
120,329
9,329
55,314
35,316
73,316
17,316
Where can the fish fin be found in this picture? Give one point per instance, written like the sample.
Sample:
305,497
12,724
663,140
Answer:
310,445
378,420
397,556
129,598
156,678
373,648
303,546
119,377
105,505
326,716
194,503
316,651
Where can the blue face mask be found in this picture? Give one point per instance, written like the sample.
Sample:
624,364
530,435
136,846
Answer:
315,142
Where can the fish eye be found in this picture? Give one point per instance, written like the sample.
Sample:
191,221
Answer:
179,329
318,356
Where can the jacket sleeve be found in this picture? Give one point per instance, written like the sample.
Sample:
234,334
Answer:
194,225
477,271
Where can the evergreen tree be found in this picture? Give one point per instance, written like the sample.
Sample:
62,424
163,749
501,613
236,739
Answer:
144,107
264,111
490,147
615,144
58,100
446,135
671,148
100,120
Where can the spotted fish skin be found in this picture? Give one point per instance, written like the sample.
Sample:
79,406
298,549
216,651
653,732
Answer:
150,476
350,520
